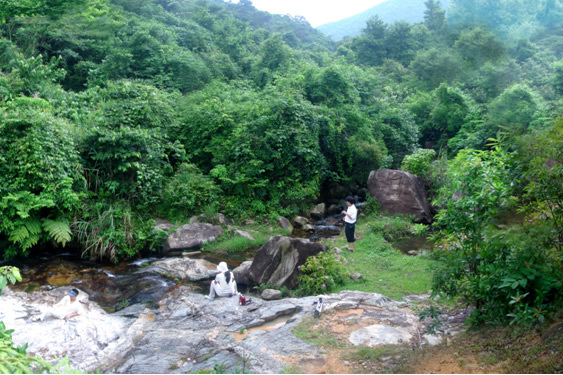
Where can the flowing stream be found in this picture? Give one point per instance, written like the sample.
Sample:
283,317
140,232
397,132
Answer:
115,286
112,286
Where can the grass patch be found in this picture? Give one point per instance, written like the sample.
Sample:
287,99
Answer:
371,354
391,228
384,269
308,330
231,243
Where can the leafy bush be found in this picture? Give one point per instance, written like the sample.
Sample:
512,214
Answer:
507,275
40,180
521,279
320,274
127,147
370,206
261,148
188,192
543,190
393,228
419,163
115,231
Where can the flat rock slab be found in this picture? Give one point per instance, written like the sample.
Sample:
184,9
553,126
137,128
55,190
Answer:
380,334
183,268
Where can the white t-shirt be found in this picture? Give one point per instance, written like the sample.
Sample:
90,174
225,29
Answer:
65,307
353,212
223,287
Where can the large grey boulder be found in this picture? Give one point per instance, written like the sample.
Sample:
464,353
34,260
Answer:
241,273
399,192
300,221
191,236
277,260
183,268
163,224
318,211
271,294
284,223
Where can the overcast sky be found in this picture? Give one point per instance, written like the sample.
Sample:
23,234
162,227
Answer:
317,12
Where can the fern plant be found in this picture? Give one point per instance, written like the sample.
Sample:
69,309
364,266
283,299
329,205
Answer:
39,176
59,230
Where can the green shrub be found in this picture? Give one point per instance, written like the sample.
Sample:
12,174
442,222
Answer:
188,192
40,180
115,231
320,274
543,190
393,228
370,206
517,279
507,275
419,162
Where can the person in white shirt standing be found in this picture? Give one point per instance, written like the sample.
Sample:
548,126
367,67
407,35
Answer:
224,284
350,216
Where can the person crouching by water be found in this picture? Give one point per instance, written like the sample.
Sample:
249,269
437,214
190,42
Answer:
224,284
66,308
350,219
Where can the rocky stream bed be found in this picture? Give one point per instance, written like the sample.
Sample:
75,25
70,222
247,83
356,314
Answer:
179,331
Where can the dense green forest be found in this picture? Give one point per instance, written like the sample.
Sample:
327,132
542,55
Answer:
118,112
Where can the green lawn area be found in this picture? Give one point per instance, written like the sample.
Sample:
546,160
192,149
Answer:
384,269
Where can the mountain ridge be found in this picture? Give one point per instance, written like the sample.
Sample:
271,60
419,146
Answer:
389,11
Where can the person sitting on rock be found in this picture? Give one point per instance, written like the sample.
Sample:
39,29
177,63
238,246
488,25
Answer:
224,284
68,307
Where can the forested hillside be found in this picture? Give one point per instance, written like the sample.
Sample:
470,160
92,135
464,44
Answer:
117,112
389,11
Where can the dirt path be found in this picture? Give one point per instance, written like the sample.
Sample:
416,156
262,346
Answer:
488,350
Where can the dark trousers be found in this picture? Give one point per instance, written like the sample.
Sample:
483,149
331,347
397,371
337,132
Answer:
349,230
